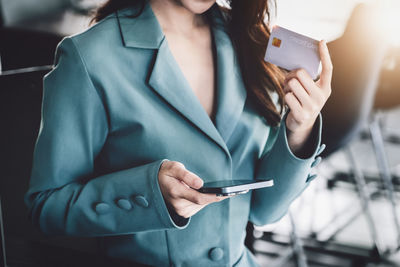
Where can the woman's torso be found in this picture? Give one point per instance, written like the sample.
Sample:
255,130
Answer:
153,113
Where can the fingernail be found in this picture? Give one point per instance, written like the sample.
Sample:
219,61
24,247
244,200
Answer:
198,183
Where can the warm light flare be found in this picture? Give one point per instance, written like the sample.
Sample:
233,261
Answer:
390,20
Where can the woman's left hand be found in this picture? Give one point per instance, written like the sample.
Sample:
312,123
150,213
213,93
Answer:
306,98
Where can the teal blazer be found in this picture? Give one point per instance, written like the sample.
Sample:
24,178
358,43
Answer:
115,106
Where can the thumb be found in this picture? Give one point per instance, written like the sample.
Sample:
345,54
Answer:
326,62
189,178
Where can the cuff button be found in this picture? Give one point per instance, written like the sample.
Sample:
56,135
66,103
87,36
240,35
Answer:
124,204
311,177
321,149
141,201
316,162
102,208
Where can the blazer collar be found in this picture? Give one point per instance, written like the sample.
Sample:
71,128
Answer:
166,78
143,31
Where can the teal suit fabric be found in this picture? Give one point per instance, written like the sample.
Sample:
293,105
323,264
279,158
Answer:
115,106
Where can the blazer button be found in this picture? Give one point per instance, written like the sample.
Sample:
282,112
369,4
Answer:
102,208
141,201
216,254
124,204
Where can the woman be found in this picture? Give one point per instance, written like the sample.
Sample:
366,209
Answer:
155,99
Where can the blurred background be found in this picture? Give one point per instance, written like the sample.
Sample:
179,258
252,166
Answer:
348,216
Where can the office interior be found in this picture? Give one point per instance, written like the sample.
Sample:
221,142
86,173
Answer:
348,216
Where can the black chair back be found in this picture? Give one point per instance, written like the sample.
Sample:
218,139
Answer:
357,59
1,15
20,115
20,109
21,48
3,260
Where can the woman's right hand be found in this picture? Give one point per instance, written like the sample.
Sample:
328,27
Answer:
178,186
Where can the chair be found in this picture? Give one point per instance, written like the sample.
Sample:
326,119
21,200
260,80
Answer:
20,114
21,48
357,59
1,15
3,260
20,97
388,93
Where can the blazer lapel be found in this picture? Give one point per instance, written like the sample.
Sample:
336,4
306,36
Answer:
168,81
232,93
166,77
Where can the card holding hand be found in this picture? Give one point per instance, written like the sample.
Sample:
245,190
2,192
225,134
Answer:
290,50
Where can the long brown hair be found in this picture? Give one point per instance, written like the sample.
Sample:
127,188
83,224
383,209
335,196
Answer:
250,35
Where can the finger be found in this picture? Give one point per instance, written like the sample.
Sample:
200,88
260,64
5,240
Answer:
293,103
199,198
327,67
286,89
304,78
301,94
191,210
289,76
187,177
180,204
185,208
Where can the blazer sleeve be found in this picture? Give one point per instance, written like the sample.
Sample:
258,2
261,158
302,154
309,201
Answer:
64,196
290,173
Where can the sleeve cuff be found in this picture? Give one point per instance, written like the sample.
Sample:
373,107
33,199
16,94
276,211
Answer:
280,152
282,137
290,173
170,220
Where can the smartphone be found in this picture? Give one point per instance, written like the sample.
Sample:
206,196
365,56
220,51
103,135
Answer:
234,187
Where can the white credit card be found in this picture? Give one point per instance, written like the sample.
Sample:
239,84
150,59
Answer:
290,50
